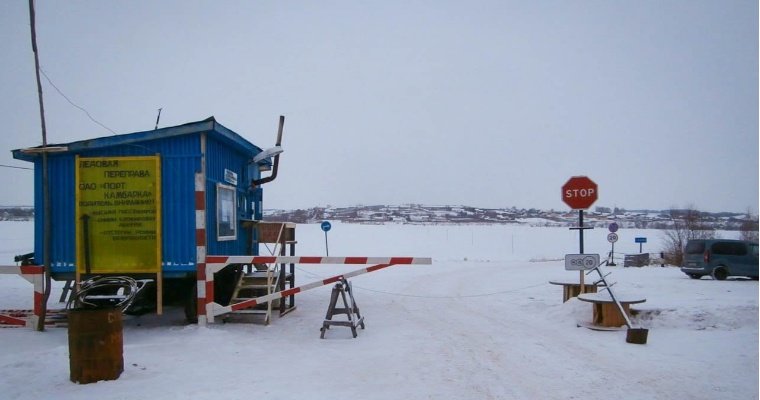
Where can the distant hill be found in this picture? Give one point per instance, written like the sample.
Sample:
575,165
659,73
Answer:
16,213
422,214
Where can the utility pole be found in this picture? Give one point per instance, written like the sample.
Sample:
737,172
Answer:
45,179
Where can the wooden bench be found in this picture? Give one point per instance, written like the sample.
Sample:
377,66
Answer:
606,313
572,289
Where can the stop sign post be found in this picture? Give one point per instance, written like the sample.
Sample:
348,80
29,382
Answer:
580,192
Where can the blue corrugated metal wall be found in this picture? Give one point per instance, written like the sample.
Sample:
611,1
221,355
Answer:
218,158
180,160
61,178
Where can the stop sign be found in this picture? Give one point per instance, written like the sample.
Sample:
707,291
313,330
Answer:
579,192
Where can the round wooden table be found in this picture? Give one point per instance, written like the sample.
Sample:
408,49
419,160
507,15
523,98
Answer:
572,289
606,313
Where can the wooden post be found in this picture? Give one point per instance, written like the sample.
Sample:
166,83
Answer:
159,292
46,241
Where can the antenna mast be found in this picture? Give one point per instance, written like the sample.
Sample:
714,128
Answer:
158,118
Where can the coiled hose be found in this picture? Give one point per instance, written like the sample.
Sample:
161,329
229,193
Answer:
117,291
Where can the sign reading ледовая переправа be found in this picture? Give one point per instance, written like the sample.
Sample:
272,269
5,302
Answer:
118,214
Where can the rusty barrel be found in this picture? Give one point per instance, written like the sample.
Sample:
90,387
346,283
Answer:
95,344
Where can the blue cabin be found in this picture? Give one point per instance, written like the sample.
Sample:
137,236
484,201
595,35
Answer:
148,202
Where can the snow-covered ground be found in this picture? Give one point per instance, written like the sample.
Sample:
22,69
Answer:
482,322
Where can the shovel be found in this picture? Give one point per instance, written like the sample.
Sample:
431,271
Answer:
635,335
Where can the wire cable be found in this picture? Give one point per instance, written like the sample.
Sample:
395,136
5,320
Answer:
463,296
72,103
12,166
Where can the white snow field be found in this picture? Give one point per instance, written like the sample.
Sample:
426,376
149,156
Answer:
481,322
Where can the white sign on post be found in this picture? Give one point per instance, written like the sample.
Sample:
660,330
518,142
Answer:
581,262
612,237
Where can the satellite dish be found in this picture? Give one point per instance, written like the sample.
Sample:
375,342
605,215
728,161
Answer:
270,152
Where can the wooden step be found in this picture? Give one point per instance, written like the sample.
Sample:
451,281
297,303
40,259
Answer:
261,267
258,274
250,311
259,308
263,275
256,287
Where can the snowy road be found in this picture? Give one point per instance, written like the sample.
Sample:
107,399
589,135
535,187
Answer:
457,329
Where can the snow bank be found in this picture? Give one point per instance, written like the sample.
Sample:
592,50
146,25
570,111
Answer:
481,322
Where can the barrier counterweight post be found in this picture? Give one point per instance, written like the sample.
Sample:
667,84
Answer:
34,274
200,240
201,289
37,280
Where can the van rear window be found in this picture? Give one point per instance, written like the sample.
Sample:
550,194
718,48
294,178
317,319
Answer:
695,247
729,248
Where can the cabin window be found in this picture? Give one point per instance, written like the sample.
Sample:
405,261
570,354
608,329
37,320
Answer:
226,220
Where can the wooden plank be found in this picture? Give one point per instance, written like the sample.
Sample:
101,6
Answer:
275,232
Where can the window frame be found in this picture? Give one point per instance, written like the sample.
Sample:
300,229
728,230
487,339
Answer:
226,211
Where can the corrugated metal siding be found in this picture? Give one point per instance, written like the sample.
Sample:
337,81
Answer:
178,208
180,159
61,178
219,157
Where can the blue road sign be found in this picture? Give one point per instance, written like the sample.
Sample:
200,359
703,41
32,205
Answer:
326,226
641,240
614,227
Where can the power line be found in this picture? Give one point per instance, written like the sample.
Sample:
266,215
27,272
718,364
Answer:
461,296
13,166
72,103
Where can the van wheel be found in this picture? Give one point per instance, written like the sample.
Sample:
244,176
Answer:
695,276
720,274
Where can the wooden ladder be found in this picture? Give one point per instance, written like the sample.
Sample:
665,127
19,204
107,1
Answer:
258,281
262,280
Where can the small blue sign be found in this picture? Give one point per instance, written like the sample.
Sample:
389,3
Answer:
641,240
614,227
326,226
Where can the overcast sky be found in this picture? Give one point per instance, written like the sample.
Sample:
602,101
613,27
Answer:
491,104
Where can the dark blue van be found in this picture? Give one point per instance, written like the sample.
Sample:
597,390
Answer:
720,258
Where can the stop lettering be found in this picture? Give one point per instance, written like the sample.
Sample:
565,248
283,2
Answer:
579,192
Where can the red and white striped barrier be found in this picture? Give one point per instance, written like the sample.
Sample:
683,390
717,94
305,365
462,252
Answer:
200,223
21,318
35,275
216,263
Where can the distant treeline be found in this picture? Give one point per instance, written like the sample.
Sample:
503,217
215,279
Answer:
16,213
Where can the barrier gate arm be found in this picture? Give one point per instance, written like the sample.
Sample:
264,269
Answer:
35,274
208,309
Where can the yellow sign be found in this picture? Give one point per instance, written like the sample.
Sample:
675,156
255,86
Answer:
118,214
